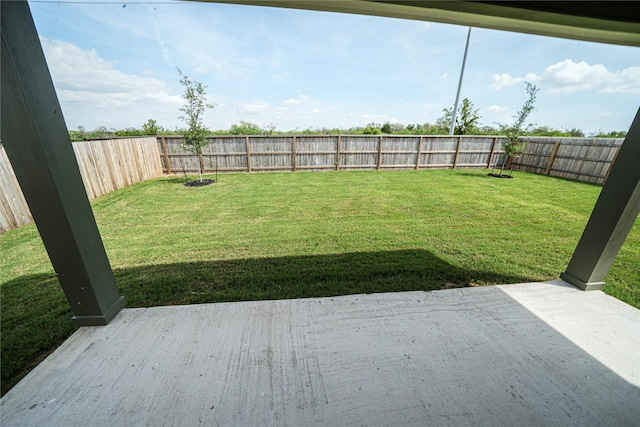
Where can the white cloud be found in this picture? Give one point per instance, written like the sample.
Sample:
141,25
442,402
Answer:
504,80
444,76
292,102
568,77
253,108
496,109
83,76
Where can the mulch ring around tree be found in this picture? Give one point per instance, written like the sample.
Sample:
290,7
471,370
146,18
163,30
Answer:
198,183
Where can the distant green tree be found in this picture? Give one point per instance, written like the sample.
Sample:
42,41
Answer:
129,132
444,122
488,130
612,134
372,129
102,132
245,128
386,128
78,135
574,132
195,136
544,131
151,128
466,119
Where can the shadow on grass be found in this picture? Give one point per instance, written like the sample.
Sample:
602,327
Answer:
36,317
296,277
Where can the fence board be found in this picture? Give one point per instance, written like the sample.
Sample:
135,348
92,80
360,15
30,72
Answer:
105,165
399,153
359,152
14,211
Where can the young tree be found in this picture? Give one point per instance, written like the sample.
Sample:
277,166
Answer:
513,145
195,136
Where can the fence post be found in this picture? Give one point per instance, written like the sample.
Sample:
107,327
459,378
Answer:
613,161
419,153
248,154
295,160
554,152
165,150
338,147
455,159
493,150
379,153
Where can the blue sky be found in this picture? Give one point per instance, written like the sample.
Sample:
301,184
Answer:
114,65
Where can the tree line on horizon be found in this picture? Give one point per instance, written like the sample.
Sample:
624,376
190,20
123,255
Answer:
249,128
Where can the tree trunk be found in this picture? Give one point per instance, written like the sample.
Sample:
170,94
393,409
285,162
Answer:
504,161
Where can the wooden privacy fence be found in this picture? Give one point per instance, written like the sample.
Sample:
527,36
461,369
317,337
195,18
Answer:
332,152
584,159
105,165
109,164
581,159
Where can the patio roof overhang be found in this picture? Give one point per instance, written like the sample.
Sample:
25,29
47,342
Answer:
617,23
37,141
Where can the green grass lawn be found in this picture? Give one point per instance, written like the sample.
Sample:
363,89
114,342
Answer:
291,235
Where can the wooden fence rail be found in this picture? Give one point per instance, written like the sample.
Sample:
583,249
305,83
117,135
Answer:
105,166
583,159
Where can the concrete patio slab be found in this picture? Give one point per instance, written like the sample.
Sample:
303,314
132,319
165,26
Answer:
527,354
